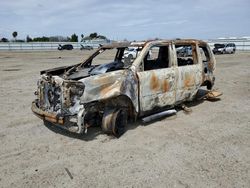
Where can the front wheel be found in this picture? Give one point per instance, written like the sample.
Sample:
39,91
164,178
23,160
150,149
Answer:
119,122
114,121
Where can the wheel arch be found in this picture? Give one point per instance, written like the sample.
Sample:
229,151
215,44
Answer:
121,101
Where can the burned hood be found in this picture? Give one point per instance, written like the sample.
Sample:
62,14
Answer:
96,70
108,67
109,85
100,86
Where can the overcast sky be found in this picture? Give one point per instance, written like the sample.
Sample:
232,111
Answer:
129,19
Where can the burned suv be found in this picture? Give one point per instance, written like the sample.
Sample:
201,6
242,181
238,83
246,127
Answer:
107,92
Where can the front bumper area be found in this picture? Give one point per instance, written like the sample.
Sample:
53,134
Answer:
51,117
76,127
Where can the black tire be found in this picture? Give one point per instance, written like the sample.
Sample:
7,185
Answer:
114,122
119,122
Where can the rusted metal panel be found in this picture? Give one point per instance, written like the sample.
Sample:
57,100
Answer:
157,88
188,81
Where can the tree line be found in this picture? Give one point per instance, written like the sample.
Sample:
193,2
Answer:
72,38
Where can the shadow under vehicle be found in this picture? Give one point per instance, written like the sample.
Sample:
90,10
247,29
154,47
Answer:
86,94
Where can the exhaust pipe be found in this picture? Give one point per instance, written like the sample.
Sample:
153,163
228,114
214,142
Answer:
158,115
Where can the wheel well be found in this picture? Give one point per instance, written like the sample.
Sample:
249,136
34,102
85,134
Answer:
121,101
208,84
95,110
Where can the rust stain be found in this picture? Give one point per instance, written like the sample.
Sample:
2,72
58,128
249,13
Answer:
154,82
210,66
108,88
54,120
105,90
189,80
165,86
102,80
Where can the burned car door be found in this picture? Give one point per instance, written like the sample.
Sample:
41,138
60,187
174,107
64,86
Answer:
189,69
157,80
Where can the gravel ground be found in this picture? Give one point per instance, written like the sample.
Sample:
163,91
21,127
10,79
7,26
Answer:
209,147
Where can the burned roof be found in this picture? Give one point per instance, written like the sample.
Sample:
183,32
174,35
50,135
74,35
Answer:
143,43
123,45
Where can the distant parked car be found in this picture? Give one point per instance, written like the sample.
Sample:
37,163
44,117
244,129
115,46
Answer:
86,47
228,48
65,47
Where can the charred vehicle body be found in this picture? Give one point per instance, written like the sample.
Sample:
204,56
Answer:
83,95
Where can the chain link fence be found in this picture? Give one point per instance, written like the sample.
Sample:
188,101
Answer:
48,45
241,44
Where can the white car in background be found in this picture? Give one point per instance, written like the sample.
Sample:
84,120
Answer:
228,48
130,53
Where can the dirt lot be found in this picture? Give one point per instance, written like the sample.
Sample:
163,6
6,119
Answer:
208,148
